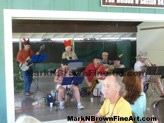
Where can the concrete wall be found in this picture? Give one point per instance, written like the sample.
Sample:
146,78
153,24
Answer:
152,40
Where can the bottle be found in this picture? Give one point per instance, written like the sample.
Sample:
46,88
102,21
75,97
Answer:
43,101
91,99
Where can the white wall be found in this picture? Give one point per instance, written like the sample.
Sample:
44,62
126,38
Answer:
152,41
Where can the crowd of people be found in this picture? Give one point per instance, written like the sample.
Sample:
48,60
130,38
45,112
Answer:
123,96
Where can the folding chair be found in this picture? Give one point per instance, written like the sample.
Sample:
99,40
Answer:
151,75
68,81
158,110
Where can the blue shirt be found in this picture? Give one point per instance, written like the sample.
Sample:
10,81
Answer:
139,106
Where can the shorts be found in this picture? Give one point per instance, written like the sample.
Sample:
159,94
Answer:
64,86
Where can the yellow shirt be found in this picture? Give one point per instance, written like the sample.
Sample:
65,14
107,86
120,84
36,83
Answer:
120,108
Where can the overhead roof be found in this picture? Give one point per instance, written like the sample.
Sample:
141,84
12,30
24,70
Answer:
59,29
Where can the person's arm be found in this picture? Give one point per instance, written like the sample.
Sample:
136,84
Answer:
74,56
57,79
64,55
143,69
89,72
32,53
69,72
86,74
122,66
87,81
37,53
19,57
86,78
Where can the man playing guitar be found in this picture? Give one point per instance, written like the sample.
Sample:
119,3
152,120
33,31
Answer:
22,58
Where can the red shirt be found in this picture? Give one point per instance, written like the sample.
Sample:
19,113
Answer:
91,70
23,54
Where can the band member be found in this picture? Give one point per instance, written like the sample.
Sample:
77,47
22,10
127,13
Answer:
106,62
114,104
69,54
140,66
100,76
21,58
91,69
117,63
105,58
59,75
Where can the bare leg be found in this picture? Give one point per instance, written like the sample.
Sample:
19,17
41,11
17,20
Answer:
61,93
159,85
76,93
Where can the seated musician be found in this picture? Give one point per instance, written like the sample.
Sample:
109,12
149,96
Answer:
105,58
90,71
106,62
69,54
59,75
117,63
140,66
100,76
114,104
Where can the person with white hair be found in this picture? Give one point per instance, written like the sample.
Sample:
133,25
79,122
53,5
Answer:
106,62
140,65
105,58
114,105
69,54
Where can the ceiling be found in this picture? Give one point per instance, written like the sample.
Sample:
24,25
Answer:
59,29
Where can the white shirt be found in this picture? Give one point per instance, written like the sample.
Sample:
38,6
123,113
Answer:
138,66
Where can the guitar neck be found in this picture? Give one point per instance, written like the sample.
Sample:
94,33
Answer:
41,48
39,51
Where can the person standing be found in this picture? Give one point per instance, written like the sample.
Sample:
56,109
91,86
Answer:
22,58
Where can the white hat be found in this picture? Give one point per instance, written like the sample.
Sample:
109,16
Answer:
142,54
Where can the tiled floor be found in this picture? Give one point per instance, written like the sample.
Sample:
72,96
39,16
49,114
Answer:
45,113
